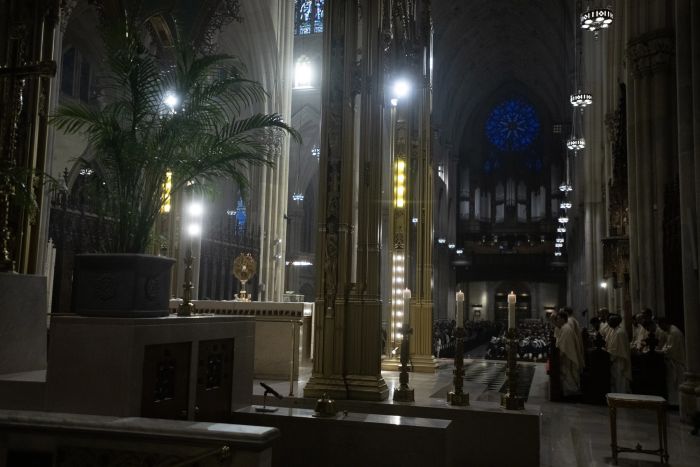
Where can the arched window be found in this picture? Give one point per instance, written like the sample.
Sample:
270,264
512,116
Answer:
308,16
75,75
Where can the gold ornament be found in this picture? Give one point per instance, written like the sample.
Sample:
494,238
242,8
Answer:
244,268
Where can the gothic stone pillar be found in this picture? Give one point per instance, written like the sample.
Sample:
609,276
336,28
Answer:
347,331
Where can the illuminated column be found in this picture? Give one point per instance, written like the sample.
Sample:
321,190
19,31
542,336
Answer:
398,269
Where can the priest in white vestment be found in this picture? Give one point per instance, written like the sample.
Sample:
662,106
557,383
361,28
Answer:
618,346
604,329
674,352
638,333
573,322
570,361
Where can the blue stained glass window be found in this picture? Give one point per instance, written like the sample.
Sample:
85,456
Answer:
308,16
241,216
513,125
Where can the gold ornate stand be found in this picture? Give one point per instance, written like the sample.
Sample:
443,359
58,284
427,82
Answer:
403,393
457,397
510,400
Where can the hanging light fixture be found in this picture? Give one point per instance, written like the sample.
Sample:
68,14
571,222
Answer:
561,229
565,205
563,219
576,144
594,19
557,253
581,99
560,240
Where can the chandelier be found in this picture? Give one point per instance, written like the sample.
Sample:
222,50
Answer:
565,205
566,187
298,197
596,18
559,245
581,99
561,229
560,240
557,253
576,144
563,219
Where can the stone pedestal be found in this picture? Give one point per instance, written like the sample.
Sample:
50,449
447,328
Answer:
22,323
98,365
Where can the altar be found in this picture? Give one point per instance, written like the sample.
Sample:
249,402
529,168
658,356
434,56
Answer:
283,332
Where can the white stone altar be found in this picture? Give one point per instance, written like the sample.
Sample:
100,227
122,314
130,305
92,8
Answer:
283,332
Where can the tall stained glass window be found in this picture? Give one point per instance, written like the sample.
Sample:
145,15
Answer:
308,16
512,125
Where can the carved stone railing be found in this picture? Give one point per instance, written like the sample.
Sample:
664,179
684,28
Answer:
45,438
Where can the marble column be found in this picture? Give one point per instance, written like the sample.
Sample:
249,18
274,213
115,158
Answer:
347,348
688,89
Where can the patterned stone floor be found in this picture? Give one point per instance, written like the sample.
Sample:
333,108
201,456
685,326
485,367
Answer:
573,435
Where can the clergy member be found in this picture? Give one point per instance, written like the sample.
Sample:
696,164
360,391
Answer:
573,322
604,330
618,346
569,358
674,351
638,332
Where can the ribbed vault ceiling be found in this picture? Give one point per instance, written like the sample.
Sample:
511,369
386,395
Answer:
487,50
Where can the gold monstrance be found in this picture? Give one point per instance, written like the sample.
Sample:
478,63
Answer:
244,268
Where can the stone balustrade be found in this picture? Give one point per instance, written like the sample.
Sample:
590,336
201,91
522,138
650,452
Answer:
43,438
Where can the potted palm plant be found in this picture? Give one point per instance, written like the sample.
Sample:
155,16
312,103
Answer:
183,120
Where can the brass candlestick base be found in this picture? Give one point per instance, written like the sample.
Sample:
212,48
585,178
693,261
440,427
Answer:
457,397
510,400
403,393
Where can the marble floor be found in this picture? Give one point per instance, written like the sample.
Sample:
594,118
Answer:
572,434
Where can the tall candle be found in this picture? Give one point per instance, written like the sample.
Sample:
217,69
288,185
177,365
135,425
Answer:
511,310
459,303
407,306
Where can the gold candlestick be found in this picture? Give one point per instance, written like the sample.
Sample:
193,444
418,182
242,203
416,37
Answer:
510,400
457,397
403,393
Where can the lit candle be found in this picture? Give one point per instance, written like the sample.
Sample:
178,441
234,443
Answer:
407,306
511,310
459,301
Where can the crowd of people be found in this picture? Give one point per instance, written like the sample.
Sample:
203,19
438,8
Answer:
475,333
651,337
533,342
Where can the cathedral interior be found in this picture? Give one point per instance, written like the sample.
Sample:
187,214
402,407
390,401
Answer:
470,223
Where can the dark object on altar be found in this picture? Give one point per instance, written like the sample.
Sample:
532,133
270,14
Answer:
121,285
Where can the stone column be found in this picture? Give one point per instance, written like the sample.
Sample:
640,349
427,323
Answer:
688,88
347,327
28,66
422,307
650,55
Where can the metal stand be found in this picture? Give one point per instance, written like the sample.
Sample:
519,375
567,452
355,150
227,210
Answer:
265,408
403,393
186,308
510,400
457,397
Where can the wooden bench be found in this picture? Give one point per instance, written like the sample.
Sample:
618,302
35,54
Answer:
638,401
